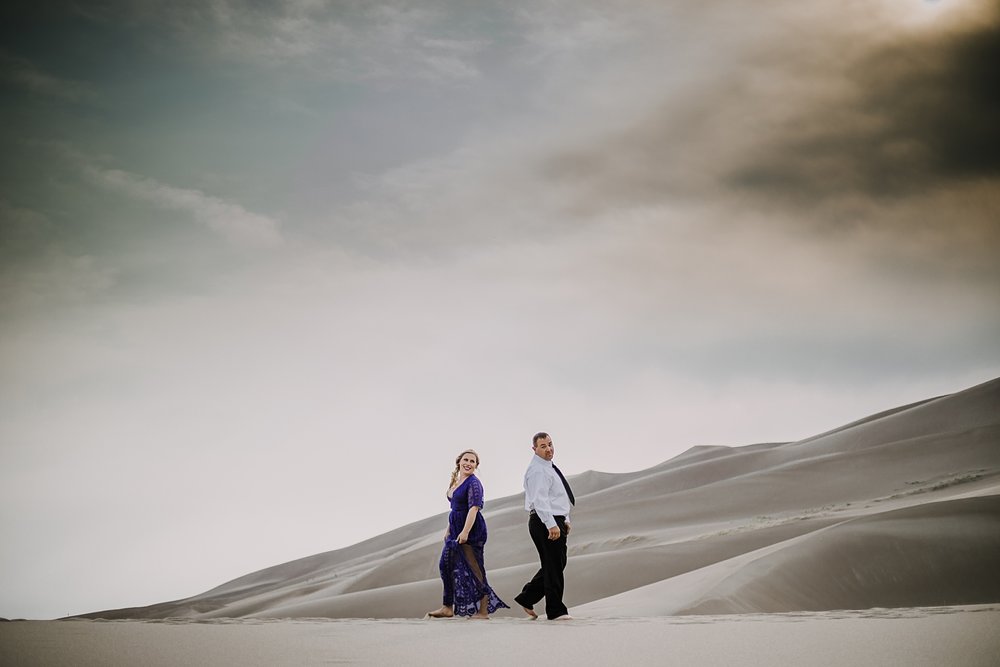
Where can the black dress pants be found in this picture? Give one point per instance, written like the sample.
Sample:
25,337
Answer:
548,581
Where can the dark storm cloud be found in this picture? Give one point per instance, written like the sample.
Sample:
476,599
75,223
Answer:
797,121
926,116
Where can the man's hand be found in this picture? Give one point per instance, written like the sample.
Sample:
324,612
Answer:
567,528
554,533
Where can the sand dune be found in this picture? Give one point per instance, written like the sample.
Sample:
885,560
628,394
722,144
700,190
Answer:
900,509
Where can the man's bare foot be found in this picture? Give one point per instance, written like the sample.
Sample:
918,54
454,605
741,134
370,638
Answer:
443,612
564,617
531,613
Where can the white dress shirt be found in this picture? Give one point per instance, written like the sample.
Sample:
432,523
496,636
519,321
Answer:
544,492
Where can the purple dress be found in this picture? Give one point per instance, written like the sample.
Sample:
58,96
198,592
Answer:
462,570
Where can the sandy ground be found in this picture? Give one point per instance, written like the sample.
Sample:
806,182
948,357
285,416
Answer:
932,636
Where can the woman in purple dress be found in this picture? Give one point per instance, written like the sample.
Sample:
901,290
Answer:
466,591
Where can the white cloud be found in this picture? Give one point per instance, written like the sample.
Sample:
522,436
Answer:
36,274
53,280
385,42
30,77
228,219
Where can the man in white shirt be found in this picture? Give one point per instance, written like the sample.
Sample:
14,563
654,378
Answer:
548,500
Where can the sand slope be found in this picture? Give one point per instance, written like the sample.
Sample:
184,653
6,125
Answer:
899,509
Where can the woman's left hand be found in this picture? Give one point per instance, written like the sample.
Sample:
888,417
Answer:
463,537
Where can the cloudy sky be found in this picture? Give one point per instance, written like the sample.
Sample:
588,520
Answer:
266,268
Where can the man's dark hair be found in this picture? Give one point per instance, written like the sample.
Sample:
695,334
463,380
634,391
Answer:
538,436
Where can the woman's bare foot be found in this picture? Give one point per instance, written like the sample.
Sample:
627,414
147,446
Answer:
484,610
443,612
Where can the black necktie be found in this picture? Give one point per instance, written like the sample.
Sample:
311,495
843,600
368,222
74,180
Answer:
569,491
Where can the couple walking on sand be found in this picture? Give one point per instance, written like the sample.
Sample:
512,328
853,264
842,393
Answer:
547,499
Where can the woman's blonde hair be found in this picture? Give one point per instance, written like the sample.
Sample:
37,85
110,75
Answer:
454,473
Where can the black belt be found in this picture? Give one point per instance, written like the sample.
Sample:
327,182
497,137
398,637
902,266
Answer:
554,516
